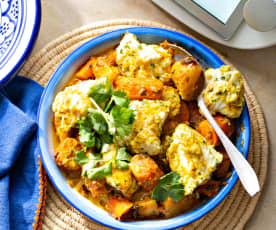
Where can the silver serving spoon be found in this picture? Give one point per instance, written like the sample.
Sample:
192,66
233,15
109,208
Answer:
244,170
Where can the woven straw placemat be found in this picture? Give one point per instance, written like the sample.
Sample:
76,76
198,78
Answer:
232,213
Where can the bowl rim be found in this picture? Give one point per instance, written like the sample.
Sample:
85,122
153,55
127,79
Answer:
29,47
71,58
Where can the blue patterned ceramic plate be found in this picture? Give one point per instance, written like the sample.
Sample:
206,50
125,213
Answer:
19,26
62,75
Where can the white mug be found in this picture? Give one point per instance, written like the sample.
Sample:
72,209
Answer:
260,14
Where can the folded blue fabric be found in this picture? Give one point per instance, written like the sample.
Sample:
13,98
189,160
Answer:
19,168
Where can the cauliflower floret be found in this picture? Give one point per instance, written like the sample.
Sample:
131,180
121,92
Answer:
191,156
149,119
70,105
224,92
137,59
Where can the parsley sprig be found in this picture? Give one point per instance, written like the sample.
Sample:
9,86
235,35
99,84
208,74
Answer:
169,185
109,119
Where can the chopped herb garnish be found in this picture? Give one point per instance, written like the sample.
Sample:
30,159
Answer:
122,159
152,65
100,172
168,185
104,123
81,158
90,164
213,100
223,77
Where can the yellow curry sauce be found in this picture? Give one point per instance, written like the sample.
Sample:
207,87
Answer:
129,137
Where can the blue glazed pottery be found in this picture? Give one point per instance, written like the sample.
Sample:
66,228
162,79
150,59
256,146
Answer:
19,26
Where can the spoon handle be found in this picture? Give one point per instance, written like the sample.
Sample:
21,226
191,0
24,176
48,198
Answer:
246,173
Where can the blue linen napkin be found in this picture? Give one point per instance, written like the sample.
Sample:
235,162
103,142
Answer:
19,168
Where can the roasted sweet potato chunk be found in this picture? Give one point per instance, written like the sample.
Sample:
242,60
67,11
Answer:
140,88
146,171
65,154
147,208
172,208
118,207
188,78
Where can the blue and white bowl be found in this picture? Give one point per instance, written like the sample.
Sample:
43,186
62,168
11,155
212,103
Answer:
19,26
62,75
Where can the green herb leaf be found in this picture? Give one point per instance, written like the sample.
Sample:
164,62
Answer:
120,98
152,65
100,172
81,158
100,93
123,120
122,155
93,160
93,130
97,121
102,127
122,159
87,137
169,185
159,193
175,191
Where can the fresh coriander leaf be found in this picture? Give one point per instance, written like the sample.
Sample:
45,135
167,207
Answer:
93,160
122,155
81,158
120,98
101,127
87,137
84,122
124,129
170,178
175,191
98,121
159,194
169,185
106,138
100,172
121,164
122,159
123,119
152,65
99,93
109,86
98,142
